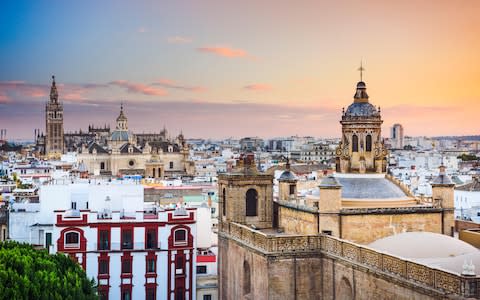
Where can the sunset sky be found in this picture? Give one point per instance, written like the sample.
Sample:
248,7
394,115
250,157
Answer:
241,68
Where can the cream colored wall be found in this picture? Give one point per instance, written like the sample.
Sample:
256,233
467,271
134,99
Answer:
297,222
366,228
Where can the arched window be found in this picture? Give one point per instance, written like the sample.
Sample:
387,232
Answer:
354,143
102,166
153,172
368,143
72,239
246,278
224,199
180,237
251,202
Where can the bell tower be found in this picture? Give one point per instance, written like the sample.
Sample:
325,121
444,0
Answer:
246,196
54,141
361,148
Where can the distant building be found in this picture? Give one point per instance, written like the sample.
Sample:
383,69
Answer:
251,144
396,136
54,141
123,154
317,152
117,152
467,200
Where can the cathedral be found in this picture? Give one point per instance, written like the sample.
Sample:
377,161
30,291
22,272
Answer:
116,152
325,246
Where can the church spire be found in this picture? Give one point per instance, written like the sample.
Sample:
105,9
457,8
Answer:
53,91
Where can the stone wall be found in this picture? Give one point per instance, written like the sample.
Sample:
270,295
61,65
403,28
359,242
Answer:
366,228
296,221
463,225
471,236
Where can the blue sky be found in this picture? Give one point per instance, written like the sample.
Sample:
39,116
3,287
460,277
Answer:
240,68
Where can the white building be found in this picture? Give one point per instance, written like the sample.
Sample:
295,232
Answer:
147,252
467,200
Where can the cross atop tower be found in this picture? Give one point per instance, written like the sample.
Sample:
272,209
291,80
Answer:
361,69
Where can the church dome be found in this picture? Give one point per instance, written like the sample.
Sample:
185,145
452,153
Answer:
287,175
361,109
120,135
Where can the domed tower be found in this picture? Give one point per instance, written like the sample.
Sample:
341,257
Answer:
121,134
122,121
361,148
287,184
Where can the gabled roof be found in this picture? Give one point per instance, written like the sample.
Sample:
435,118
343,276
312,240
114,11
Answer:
97,147
164,145
126,146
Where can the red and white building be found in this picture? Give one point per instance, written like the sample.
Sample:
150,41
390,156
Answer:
132,251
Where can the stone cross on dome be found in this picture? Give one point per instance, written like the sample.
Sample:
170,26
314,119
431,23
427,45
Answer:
361,69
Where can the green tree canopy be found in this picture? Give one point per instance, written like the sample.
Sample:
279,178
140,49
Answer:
26,273
467,157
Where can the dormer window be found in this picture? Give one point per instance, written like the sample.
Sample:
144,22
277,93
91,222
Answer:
180,237
72,239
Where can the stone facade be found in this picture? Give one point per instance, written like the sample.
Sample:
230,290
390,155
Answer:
246,196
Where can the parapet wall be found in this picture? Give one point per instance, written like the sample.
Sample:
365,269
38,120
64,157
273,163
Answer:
400,184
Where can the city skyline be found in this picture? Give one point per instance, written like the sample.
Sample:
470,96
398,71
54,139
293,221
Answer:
271,69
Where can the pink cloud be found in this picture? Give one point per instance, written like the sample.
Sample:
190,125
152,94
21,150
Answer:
22,88
224,51
142,30
178,40
167,83
258,87
139,88
4,98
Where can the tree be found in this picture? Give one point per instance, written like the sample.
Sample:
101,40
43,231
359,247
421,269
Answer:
467,157
26,273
